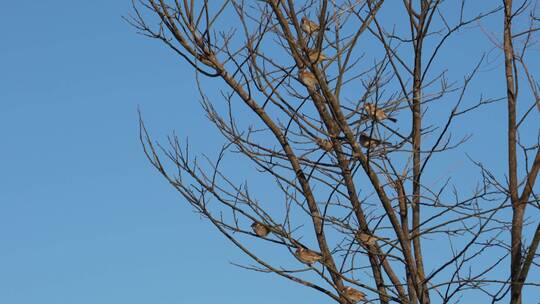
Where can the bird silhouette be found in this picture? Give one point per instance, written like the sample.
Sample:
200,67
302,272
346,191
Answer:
377,114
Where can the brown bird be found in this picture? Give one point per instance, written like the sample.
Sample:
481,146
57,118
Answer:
260,229
308,79
368,239
307,256
316,56
377,114
353,295
324,144
309,26
370,142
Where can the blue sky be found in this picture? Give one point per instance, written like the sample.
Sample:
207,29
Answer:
83,216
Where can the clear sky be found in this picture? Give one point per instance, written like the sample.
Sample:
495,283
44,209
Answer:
83,216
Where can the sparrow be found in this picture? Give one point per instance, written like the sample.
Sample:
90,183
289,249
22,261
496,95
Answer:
309,26
324,144
307,256
368,239
353,295
377,114
370,142
308,79
260,229
316,56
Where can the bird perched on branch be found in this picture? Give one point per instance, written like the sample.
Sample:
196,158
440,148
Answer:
377,114
370,142
368,239
316,56
353,295
324,144
260,229
307,256
308,78
309,26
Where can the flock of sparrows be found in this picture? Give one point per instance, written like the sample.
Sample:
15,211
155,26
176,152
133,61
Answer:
303,254
309,257
315,56
364,139
310,81
378,115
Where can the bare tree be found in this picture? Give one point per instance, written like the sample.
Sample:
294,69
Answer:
352,114
520,195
